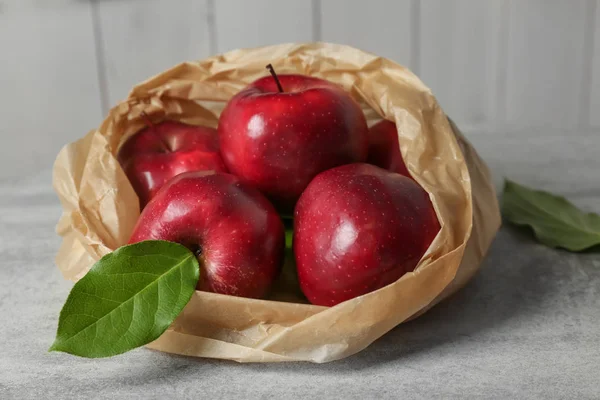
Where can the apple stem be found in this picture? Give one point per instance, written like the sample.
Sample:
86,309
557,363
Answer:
150,125
274,75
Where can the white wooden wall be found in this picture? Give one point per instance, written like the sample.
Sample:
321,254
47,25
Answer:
495,65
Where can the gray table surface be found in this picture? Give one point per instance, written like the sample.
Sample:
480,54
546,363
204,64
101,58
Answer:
528,325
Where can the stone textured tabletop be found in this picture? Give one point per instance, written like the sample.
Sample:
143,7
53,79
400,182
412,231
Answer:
528,325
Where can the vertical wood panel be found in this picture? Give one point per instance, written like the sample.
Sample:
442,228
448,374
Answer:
594,110
141,38
379,26
48,82
460,57
545,62
255,23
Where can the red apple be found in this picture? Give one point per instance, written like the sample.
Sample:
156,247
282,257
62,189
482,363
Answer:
384,150
279,139
235,232
161,151
358,228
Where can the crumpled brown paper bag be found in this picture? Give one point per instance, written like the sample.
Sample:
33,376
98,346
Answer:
101,208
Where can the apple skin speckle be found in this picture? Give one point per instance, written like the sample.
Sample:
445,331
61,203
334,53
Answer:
358,228
384,148
159,152
311,127
234,230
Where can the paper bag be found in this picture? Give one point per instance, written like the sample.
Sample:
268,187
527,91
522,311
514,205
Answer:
101,208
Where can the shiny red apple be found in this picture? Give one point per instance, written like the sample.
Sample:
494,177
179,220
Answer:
384,150
235,232
161,151
278,134
358,228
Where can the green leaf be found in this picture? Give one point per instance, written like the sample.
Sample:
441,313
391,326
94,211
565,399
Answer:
128,299
555,221
289,238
